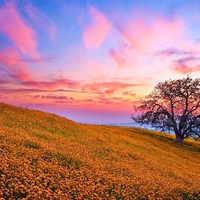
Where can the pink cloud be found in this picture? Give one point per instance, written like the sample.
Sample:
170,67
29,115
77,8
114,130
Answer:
95,33
51,84
149,32
129,93
173,51
58,99
187,65
117,56
55,97
107,88
12,25
182,60
123,55
10,59
42,20
95,88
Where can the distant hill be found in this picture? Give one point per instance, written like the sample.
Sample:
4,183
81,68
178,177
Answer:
124,124
44,156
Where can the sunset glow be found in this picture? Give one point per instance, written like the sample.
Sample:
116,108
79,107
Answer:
91,61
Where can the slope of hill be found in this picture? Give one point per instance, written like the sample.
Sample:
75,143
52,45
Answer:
44,156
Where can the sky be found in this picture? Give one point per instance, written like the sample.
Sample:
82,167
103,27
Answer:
92,61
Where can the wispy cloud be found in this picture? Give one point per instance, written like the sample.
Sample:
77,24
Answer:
107,87
187,65
2,82
129,93
38,59
12,66
117,56
96,32
31,90
13,26
41,20
55,97
54,90
172,52
20,50
184,60
145,31
51,84
123,55
9,57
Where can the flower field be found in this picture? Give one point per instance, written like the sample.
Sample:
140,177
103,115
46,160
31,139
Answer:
44,156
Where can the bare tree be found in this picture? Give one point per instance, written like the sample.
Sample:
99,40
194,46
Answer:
175,105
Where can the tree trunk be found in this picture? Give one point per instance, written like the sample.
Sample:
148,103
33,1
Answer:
179,139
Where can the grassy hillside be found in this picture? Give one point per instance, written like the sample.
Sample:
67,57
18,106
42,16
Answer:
44,156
